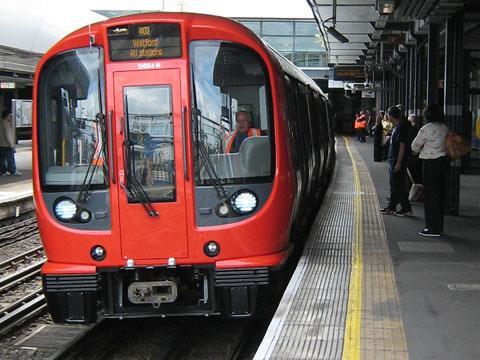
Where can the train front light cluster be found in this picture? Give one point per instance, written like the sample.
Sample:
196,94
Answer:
65,209
244,202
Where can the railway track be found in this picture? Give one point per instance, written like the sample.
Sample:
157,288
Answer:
16,261
21,310
18,231
18,270
213,339
27,306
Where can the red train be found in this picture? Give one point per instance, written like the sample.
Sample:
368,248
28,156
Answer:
177,158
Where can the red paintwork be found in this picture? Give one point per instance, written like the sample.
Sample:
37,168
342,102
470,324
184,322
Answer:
261,240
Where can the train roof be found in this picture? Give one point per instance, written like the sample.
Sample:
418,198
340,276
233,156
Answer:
289,68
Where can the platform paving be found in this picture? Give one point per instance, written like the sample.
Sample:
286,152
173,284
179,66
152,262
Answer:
438,281
16,193
408,297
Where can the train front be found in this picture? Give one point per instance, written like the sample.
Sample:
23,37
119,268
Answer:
159,186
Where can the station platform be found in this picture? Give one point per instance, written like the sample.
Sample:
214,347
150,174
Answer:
16,193
369,287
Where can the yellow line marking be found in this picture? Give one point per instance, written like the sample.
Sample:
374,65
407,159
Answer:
351,344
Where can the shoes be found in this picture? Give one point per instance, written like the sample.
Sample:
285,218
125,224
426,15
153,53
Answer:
403,213
17,173
387,210
429,233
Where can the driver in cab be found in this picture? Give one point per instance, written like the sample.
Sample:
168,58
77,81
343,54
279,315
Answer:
243,130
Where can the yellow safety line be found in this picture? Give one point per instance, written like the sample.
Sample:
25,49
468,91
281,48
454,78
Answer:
351,344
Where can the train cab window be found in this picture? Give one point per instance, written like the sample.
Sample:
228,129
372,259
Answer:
150,159
71,121
232,125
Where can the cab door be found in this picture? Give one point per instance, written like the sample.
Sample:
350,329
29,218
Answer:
150,164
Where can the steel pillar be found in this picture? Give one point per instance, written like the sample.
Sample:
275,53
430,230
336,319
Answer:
453,91
432,71
411,96
419,81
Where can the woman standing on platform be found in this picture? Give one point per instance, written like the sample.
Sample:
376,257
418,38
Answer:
377,137
430,143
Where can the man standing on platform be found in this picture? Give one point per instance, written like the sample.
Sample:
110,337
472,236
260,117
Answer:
7,145
397,164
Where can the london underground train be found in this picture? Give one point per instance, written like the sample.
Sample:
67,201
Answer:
177,159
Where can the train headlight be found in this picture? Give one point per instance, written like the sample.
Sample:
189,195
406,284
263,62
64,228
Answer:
244,202
65,209
211,249
98,253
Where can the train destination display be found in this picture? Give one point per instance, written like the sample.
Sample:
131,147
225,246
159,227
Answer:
144,41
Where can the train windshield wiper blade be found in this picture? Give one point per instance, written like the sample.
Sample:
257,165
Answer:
202,154
132,185
97,154
200,150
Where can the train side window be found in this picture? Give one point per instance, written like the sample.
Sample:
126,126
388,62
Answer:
231,103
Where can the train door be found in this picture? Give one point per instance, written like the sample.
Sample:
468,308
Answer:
152,192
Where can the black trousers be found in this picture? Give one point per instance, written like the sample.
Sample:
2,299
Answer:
434,179
398,190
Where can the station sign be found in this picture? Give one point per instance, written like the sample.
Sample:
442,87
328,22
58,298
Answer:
368,94
349,73
7,85
144,41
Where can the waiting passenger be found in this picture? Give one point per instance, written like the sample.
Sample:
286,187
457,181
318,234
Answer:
414,163
397,165
430,143
242,131
7,145
377,130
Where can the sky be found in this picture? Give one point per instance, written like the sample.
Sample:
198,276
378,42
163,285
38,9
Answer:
35,25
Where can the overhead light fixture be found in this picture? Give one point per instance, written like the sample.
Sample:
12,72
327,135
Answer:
388,8
336,34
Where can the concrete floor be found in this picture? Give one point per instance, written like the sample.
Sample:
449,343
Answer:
438,279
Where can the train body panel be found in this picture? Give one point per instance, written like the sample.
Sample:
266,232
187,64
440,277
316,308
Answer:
141,209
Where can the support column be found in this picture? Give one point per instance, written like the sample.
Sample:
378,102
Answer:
453,90
432,71
412,81
408,68
419,83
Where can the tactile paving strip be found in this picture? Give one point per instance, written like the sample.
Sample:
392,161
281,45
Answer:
311,324
310,321
425,247
382,333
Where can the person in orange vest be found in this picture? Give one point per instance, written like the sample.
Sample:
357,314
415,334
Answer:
242,131
361,126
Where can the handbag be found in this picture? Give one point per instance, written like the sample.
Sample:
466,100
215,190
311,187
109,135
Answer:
456,146
416,192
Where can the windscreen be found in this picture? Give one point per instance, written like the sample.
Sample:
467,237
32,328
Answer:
70,115
232,127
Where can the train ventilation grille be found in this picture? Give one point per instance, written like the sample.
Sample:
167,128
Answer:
242,277
70,283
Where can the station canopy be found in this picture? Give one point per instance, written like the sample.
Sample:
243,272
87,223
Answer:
389,24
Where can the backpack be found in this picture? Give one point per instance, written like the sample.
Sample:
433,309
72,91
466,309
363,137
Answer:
456,146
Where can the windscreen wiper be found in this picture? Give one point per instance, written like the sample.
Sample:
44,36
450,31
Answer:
133,186
97,153
201,151
203,155
101,136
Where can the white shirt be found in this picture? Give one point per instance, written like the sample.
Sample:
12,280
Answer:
430,141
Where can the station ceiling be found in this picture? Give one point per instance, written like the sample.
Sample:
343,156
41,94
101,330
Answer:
367,23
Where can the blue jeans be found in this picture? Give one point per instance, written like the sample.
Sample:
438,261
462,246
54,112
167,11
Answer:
398,190
7,160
